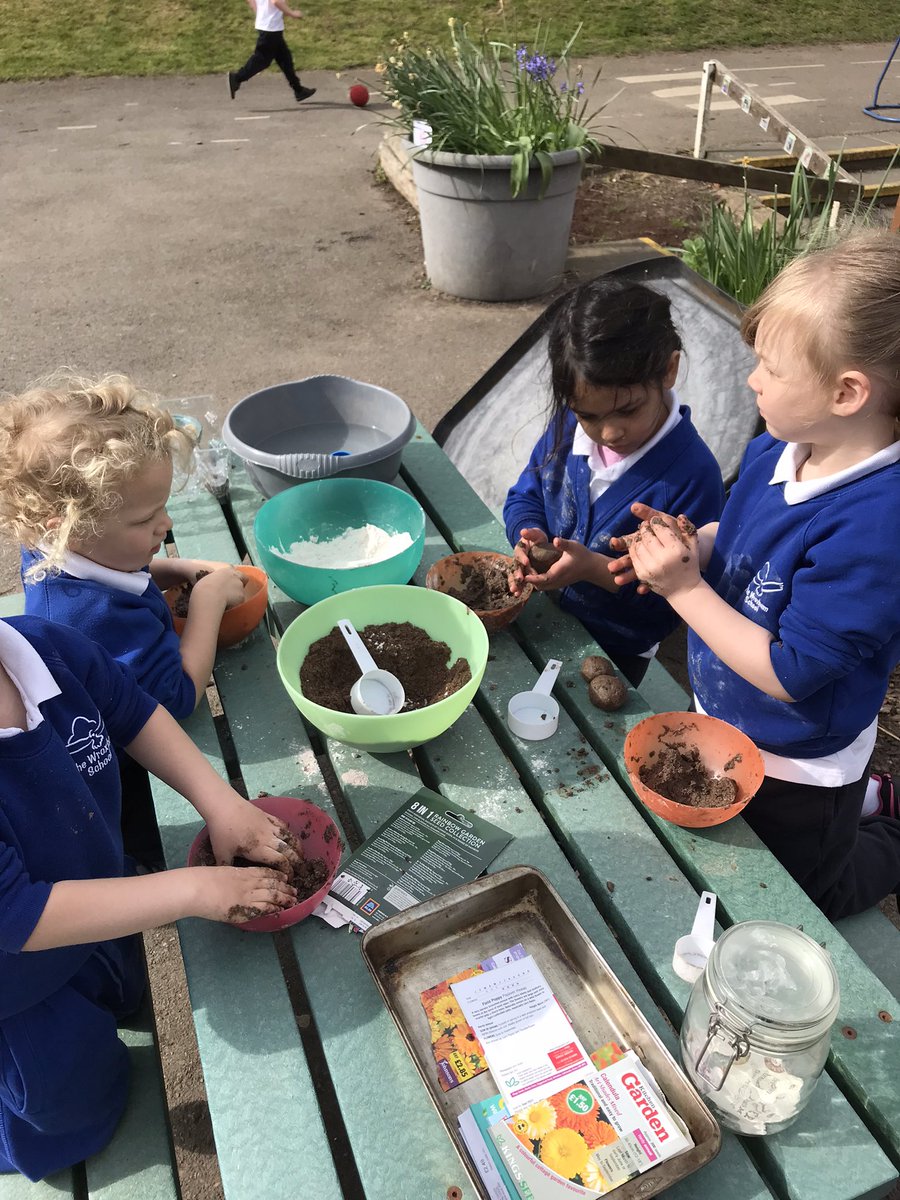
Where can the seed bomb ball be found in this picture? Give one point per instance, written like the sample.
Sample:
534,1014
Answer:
596,664
607,692
359,95
543,557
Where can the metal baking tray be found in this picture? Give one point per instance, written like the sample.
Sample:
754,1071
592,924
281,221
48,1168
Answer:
418,948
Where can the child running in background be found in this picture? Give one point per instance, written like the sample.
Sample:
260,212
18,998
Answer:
69,967
85,474
616,434
794,622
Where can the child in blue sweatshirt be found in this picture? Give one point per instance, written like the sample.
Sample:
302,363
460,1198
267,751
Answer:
85,475
69,963
616,434
794,621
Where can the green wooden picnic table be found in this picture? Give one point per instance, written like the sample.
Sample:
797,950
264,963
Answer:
312,1094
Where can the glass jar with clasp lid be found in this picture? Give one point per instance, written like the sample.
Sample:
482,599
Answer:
757,1027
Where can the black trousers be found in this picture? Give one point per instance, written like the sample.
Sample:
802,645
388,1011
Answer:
844,864
632,666
270,47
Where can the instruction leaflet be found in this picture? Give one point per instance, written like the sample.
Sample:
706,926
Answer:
426,847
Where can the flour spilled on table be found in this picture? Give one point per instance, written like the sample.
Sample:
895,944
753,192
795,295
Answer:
352,548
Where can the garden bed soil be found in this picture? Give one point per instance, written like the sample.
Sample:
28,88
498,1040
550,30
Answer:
613,205
421,664
678,774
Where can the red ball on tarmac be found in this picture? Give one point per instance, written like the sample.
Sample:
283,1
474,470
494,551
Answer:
359,95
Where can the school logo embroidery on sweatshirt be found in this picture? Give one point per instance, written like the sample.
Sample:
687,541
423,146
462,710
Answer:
89,745
761,586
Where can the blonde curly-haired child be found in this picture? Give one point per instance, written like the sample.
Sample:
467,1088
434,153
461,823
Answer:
85,475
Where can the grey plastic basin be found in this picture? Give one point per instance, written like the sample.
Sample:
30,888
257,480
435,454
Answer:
317,427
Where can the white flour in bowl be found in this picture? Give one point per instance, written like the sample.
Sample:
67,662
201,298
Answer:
352,548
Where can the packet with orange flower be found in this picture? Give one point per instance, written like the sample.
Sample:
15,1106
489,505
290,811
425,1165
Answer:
457,1051
591,1136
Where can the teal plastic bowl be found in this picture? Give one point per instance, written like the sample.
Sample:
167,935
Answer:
325,509
443,619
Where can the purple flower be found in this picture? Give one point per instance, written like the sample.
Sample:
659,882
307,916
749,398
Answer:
563,88
579,89
538,67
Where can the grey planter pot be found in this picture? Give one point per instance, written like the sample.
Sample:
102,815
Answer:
481,243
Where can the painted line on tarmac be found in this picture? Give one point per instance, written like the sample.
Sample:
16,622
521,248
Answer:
76,127
263,118
222,141
775,101
670,75
779,67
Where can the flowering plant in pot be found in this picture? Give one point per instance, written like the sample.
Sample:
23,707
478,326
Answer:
499,122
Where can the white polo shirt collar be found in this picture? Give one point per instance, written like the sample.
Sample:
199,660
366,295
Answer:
795,454
135,582
29,673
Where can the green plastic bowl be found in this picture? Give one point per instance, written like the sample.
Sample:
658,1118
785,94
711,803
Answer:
442,618
325,508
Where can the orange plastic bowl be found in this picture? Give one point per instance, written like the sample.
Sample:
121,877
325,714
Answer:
319,838
448,575
240,621
724,750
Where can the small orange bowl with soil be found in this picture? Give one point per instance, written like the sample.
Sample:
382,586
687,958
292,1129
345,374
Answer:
321,847
479,579
692,769
238,622
436,646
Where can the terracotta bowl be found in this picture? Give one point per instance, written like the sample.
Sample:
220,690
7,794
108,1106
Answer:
240,621
719,744
449,573
319,837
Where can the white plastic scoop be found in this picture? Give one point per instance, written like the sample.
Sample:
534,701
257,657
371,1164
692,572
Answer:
376,693
693,949
534,715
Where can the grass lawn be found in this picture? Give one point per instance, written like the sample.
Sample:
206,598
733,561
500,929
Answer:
42,39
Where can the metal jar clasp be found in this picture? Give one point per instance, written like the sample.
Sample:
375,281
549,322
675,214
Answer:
724,1047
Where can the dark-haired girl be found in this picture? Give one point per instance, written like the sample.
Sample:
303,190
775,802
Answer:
616,434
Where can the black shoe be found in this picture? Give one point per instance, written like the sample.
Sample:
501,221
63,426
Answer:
304,93
233,85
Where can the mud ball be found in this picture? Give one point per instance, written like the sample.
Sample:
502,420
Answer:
607,692
596,664
359,95
543,557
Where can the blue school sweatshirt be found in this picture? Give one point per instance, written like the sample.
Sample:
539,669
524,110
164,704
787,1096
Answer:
821,576
136,630
63,1071
679,475
60,802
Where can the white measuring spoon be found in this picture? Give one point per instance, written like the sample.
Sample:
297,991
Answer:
376,693
534,715
693,949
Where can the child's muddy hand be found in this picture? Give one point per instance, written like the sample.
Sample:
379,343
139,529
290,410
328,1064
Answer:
238,894
247,832
573,564
665,555
523,569
225,584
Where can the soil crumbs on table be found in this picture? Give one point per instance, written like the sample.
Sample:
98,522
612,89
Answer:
421,664
484,588
678,773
